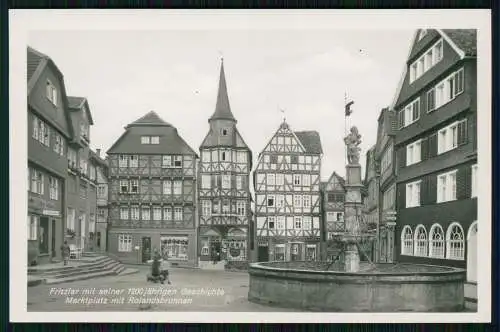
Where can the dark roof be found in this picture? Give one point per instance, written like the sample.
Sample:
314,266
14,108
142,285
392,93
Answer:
465,39
222,107
151,125
34,60
310,140
150,119
75,102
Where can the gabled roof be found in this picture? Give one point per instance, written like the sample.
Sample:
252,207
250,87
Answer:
150,119
36,64
77,103
151,125
310,140
340,179
222,107
463,41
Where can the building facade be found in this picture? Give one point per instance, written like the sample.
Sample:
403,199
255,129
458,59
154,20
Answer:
385,156
223,189
436,147
152,193
81,179
371,204
333,198
287,196
49,131
101,226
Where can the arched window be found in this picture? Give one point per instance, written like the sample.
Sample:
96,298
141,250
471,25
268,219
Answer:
406,241
436,241
455,246
420,239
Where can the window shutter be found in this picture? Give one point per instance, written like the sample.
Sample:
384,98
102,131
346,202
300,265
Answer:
401,118
432,189
416,110
432,145
462,132
462,183
424,185
467,181
401,196
424,149
402,157
431,100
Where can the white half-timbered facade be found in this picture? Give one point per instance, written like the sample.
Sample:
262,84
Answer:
287,196
223,189
152,194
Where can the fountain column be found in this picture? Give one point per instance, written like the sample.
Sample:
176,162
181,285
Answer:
353,202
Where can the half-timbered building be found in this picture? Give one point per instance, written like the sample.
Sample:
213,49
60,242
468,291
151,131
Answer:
436,147
152,182
223,189
82,180
287,196
333,198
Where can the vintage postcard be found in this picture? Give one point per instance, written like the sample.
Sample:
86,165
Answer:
234,166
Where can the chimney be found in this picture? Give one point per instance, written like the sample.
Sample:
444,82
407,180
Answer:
98,152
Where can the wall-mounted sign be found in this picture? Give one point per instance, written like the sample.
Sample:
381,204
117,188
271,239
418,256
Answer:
51,213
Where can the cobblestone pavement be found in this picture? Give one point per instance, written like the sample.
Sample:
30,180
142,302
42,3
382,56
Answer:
191,290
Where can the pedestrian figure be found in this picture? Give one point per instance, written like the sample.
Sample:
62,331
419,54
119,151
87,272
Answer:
65,252
160,267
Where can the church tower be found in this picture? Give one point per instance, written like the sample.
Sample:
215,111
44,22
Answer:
224,191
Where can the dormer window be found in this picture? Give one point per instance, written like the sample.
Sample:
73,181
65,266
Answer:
224,132
51,92
426,61
150,139
422,34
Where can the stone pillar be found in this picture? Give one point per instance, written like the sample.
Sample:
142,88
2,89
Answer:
352,215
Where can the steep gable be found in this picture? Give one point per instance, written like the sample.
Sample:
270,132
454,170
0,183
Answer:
222,107
335,183
284,140
150,125
456,45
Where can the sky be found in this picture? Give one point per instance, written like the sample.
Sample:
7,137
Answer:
125,74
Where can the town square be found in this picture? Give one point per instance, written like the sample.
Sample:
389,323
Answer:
253,171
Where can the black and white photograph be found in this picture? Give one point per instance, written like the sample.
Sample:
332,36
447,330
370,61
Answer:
219,166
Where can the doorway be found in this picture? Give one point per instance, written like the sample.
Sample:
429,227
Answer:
472,253
146,249
296,252
263,254
215,251
43,244
53,238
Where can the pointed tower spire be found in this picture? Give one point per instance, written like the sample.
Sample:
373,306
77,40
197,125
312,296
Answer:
222,108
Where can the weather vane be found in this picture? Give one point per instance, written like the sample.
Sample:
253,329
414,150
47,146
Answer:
282,112
221,56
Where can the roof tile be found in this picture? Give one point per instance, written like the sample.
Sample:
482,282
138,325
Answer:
310,140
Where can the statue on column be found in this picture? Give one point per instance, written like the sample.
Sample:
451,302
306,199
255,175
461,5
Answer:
352,141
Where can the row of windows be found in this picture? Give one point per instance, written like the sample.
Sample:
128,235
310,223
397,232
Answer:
428,60
386,160
85,167
71,219
289,159
132,161
299,201
150,139
224,181
172,247
440,94
446,188
389,198
224,155
334,216
299,222
448,138
434,244
224,207
36,184
169,187
335,197
167,213
42,133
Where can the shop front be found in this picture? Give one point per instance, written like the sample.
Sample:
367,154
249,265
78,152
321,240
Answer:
285,250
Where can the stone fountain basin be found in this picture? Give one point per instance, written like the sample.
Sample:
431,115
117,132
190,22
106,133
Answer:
378,288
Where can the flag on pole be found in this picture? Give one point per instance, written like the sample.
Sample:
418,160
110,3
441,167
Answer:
348,109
